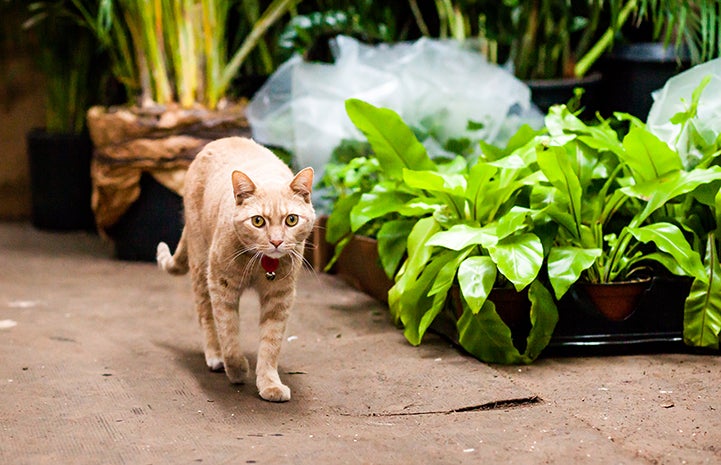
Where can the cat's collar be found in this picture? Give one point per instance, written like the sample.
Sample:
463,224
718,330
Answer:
269,264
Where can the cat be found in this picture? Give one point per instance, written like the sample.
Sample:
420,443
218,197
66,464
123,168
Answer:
246,221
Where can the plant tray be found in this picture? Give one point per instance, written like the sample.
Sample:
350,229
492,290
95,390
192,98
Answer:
656,325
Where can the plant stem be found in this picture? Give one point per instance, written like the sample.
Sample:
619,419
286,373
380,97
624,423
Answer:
585,63
274,11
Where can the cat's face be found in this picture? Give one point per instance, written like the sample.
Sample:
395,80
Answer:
273,219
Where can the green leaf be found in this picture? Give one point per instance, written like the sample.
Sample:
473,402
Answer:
393,142
420,206
376,203
648,156
485,336
518,258
560,120
544,316
479,176
434,181
558,170
669,239
702,311
657,192
665,260
392,239
338,251
565,265
460,236
476,276
684,116
418,256
447,275
338,225
515,220
717,212
442,282
416,307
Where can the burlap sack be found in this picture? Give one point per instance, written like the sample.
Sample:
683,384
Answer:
131,141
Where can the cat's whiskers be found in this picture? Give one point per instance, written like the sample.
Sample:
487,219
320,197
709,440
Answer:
251,264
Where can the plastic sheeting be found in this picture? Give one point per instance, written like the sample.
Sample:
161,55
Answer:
430,83
675,97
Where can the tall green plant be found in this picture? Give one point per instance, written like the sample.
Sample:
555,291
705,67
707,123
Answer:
174,51
66,54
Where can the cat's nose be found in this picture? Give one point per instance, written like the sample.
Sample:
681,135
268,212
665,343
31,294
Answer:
276,243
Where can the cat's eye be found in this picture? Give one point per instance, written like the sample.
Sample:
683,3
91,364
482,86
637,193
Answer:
291,220
258,221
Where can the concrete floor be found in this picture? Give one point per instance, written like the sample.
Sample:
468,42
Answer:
100,363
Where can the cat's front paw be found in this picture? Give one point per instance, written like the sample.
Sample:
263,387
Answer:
276,393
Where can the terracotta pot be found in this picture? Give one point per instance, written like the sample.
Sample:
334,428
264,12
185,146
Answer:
360,266
512,306
616,301
318,252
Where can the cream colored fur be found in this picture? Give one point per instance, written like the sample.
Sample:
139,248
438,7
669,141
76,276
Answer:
230,185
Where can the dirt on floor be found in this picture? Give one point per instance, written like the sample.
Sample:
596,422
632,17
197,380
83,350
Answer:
101,363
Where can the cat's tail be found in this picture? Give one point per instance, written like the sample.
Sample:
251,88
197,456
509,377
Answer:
173,263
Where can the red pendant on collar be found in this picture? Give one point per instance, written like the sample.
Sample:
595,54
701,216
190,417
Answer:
269,264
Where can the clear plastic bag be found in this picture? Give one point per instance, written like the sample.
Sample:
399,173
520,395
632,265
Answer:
428,82
675,97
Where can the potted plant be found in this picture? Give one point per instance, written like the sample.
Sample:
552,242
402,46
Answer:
453,225
173,60
59,153
570,205
695,139
618,205
551,44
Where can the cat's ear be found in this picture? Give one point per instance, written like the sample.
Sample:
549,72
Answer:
243,187
302,184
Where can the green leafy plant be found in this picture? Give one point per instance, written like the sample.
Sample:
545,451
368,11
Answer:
611,199
309,34
452,224
574,202
701,214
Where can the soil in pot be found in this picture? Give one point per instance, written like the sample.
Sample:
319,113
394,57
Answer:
359,265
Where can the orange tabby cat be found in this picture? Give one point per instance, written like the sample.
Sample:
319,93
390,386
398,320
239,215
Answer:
246,221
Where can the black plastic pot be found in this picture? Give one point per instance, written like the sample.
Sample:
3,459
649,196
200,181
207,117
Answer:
154,217
60,180
548,92
632,72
